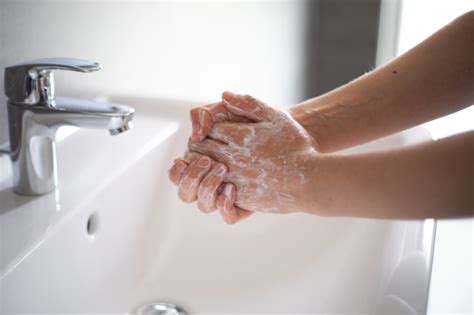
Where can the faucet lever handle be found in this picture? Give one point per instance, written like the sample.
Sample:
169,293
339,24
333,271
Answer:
32,82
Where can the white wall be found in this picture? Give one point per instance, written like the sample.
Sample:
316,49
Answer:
186,50
436,14
452,279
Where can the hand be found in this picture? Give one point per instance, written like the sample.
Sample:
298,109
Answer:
187,174
203,118
200,178
265,158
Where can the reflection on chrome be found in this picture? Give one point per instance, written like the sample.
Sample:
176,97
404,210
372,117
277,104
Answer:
35,114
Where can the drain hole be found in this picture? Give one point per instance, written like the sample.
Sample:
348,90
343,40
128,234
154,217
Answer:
93,225
161,309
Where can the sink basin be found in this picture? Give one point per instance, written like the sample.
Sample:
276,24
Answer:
115,236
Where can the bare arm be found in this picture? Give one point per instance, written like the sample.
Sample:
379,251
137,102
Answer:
433,79
430,180
275,168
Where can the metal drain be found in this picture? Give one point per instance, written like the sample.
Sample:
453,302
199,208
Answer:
161,309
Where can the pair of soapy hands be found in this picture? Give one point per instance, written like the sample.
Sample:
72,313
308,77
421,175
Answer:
243,156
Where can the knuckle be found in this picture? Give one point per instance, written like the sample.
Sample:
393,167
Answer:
197,147
190,156
220,169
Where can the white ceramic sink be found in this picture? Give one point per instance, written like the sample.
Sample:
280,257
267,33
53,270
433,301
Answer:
115,236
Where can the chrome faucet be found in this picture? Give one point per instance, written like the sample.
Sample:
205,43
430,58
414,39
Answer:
35,114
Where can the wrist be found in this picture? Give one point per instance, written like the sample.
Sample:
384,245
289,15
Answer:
314,182
306,114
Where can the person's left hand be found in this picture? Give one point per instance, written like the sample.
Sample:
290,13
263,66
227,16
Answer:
200,178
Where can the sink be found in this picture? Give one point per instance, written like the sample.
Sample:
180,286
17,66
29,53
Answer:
115,237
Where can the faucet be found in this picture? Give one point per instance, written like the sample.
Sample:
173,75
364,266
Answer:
35,114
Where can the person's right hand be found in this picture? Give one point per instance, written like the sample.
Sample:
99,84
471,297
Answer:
203,118
189,172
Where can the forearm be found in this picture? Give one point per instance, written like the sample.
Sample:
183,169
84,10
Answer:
430,180
431,80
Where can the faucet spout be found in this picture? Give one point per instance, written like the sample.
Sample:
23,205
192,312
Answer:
82,113
32,136
35,114
117,131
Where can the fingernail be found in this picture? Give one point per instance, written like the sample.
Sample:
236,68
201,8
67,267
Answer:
228,96
228,190
203,162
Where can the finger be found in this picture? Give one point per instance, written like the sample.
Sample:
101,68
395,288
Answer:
203,119
192,156
225,203
220,113
235,214
207,192
191,178
246,106
177,170
242,213
227,192
216,150
228,132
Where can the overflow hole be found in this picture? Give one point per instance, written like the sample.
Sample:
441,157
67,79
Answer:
93,225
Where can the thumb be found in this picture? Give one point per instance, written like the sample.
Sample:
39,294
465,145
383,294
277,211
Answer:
247,106
203,119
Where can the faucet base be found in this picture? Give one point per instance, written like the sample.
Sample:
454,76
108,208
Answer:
32,151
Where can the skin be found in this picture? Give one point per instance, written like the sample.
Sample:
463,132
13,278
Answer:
268,175
430,81
206,182
434,179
